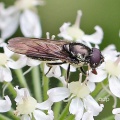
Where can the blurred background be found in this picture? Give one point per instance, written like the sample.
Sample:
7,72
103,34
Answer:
105,13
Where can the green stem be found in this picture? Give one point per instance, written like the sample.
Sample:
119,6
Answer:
11,89
45,86
3,117
109,118
56,109
65,112
21,78
11,114
70,117
45,83
37,83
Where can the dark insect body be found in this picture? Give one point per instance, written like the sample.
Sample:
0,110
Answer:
76,54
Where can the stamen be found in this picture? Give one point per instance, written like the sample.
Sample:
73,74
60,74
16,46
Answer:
47,35
78,18
53,37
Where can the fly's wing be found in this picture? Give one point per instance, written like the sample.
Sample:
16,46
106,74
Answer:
43,49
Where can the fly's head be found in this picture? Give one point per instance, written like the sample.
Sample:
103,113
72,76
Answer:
95,58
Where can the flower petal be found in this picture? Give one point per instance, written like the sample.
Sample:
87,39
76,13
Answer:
114,84
55,71
58,94
9,22
30,24
39,115
116,111
63,31
25,117
95,38
91,105
91,86
101,75
5,105
117,117
5,74
21,93
76,108
46,105
19,63
32,62
88,116
65,66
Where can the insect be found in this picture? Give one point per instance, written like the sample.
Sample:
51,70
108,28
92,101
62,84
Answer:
76,54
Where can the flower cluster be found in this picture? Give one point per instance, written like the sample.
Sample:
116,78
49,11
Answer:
68,100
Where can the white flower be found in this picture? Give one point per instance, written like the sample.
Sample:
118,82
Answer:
116,112
27,105
55,70
29,20
27,4
8,21
111,69
75,33
30,24
17,61
5,73
81,100
5,105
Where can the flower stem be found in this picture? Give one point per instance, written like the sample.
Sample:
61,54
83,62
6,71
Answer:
45,83
65,112
2,117
21,78
109,118
37,83
57,109
11,90
70,117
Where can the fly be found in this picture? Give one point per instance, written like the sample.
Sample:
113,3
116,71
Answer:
76,54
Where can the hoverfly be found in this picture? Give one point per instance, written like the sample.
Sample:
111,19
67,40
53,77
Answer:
76,54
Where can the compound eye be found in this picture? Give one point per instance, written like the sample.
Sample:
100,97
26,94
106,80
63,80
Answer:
95,58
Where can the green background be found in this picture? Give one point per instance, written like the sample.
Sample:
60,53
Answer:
105,13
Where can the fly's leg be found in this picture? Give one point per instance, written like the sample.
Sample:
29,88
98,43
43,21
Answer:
51,64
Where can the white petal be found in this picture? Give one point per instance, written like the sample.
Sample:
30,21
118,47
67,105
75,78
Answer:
62,79
95,38
91,86
20,63
91,105
65,66
21,93
30,24
7,51
46,105
114,84
39,115
32,62
63,31
5,105
55,71
76,108
51,115
5,74
10,23
101,75
25,117
116,111
59,93
117,117
88,116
